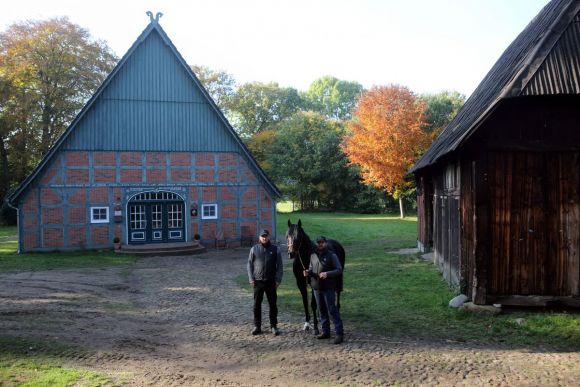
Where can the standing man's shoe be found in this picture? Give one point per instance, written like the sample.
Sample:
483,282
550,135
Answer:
275,331
256,331
338,339
323,336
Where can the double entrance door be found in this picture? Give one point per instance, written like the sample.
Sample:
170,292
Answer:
156,221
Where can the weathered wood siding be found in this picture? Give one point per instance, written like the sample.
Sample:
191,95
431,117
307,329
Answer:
535,223
467,234
424,214
446,223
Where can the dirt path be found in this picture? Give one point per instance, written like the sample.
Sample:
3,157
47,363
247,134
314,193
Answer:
184,321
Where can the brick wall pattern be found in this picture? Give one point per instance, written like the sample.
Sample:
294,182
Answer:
55,211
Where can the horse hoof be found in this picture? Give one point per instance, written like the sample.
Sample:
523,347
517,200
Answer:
306,326
316,332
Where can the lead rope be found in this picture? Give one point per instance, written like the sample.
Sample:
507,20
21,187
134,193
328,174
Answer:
300,256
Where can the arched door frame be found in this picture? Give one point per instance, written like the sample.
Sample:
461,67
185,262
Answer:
160,217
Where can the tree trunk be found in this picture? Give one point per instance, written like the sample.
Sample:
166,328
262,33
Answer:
401,207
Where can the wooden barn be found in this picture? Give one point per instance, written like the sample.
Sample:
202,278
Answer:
498,192
150,159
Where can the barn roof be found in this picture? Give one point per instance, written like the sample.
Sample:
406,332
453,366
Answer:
544,59
68,137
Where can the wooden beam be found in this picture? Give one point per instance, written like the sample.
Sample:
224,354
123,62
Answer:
481,228
511,145
545,301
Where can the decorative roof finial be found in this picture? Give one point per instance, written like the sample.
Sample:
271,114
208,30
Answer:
156,20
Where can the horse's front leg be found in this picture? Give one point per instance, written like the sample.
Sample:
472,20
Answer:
304,293
314,309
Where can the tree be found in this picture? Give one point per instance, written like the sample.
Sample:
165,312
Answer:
48,69
332,97
261,144
440,109
386,137
6,116
219,84
257,106
54,67
307,162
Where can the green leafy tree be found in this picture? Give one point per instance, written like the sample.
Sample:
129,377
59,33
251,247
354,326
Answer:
56,67
440,109
333,97
6,116
261,145
48,69
257,106
307,162
219,84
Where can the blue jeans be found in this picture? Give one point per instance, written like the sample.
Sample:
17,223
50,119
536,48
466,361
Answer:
326,300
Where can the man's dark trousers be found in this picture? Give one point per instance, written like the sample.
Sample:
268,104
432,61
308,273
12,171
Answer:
326,300
268,287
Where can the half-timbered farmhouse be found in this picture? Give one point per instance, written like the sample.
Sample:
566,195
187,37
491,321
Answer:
499,190
149,159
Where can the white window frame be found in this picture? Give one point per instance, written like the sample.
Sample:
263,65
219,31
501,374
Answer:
106,220
204,206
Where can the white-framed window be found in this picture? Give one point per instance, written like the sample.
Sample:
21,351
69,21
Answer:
209,211
175,215
99,214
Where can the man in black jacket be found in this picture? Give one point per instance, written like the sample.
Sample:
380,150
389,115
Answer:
323,270
265,272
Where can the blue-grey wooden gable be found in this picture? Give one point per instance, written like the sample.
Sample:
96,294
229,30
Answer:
152,104
151,101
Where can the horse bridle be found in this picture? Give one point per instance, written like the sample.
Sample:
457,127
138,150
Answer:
298,252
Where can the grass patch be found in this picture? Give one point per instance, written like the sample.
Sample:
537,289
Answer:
63,260
387,231
11,261
25,362
8,232
405,296
284,207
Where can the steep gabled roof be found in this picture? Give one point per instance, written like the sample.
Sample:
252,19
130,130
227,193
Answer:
543,59
153,26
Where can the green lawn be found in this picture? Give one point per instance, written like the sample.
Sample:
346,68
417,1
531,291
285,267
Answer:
30,363
405,296
8,232
11,261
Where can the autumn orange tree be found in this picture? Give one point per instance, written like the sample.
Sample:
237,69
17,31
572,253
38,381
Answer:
386,137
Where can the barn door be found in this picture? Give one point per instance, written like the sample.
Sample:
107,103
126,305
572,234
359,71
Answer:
156,217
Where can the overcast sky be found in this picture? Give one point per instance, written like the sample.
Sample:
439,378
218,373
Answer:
426,45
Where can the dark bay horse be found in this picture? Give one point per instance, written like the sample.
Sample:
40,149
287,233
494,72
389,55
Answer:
300,247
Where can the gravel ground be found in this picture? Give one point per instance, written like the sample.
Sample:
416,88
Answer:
184,321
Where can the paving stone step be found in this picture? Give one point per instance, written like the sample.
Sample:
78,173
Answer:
159,249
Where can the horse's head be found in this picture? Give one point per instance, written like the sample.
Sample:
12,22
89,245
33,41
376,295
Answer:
294,238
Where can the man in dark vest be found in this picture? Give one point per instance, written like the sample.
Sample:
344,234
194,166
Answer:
265,272
323,270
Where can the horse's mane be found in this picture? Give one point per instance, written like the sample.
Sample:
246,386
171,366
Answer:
307,241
